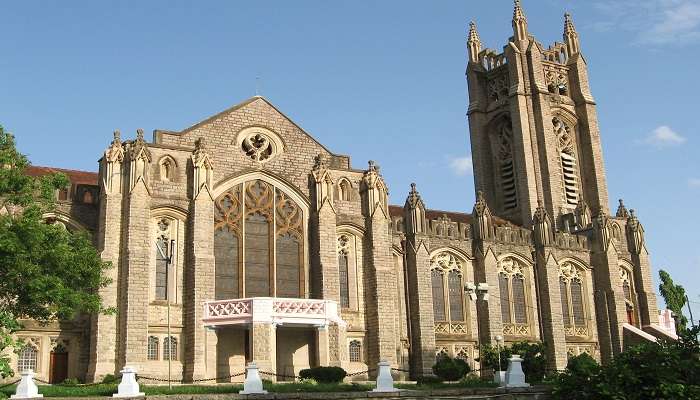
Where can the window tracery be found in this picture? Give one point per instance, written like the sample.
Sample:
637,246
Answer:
506,165
568,162
153,345
27,358
258,242
163,248
259,144
513,281
572,299
447,273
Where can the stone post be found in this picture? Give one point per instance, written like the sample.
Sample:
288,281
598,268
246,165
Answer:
324,246
27,389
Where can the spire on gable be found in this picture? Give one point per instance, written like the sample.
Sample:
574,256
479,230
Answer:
519,22
570,35
473,43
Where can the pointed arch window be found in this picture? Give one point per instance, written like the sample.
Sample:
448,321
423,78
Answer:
344,189
167,169
164,246
513,290
447,273
343,270
572,299
568,162
258,243
506,166
626,279
170,348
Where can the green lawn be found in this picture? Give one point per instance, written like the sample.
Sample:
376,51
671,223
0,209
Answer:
292,387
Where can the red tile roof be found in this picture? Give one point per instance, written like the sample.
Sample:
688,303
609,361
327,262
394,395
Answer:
75,177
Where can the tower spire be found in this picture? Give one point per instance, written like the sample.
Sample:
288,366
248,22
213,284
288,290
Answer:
473,43
570,35
519,22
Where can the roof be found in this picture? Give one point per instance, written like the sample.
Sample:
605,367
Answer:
76,177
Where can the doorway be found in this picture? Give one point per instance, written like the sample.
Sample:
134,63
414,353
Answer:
58,367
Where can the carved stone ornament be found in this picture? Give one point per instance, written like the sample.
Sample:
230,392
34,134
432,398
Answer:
563,132
446,261
569,272
140,158
601,225
259,144
622,210
203,167
509,266
115,151
635,233
414,200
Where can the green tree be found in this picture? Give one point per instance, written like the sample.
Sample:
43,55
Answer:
674,296
48,273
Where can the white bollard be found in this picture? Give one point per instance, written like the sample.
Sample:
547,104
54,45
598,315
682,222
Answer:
27,389
515,377
385,382
128,386
252,384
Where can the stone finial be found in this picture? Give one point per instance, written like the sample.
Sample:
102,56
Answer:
414,200
542,226
115,151
583,214
622,210
635,233
473,43
519,22
139,135
373,166
203,167
482,220
570,35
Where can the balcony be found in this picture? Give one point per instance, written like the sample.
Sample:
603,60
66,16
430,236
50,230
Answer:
271,310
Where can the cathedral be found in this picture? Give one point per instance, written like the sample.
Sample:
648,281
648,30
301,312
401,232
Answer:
243,239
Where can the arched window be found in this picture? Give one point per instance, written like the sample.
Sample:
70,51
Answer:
27,359
343,270
629,293
170,348
153,345
513,292
448,289
355,351
344,189
506,178
567,159
572,300
438,295
258,243
163,260
167,169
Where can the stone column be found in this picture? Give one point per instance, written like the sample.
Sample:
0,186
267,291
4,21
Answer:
420,293
138,244
322,346
380,279
337,345
103,330
549,294
263,342
324,247
199,272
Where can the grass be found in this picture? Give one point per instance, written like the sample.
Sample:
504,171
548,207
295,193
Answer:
292,387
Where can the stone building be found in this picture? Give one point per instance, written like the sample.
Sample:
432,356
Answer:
241,238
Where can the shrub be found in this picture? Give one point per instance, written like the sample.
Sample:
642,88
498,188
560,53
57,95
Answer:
109,378
428,380
665,370
70,382
324,374
533,355
451,369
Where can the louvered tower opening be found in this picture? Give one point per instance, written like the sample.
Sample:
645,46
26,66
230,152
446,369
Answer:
568,166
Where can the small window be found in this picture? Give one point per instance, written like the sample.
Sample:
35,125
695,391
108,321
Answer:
167,169
62,194
170,348
355,351
153,346
87,197
345,190
27,359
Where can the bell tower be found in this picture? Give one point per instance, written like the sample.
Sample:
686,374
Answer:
533,127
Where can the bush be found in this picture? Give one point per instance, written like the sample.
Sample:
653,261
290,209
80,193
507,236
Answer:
109,378
665,370
533,355
451,369
324,374
428,380
70,382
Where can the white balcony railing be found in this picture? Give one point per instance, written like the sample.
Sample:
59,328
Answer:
271,310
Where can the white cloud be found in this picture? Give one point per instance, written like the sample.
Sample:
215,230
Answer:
694,182
656,22
664,136
461,165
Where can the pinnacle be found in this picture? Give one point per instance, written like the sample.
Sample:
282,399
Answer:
568,24
518,13
473,33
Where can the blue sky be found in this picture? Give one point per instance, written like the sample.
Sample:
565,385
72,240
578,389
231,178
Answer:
375,80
